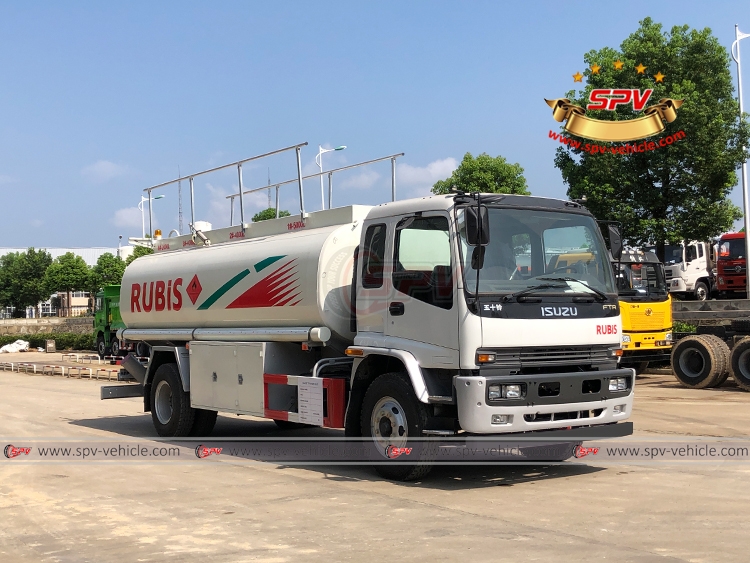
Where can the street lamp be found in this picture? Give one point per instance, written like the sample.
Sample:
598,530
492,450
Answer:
739,35
143,219
319,161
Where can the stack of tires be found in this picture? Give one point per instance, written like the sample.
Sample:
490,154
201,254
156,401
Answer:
700,361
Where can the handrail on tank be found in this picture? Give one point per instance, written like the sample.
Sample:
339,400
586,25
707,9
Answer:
330,173
238,164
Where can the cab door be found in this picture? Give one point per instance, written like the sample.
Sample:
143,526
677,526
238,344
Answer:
422,302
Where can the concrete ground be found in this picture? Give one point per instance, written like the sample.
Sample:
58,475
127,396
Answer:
229,510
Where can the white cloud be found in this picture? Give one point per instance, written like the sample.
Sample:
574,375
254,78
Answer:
102,171
6,179
127,217
417,180
362,181
36,222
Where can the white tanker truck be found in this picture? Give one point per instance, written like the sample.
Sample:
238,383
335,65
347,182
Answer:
437,316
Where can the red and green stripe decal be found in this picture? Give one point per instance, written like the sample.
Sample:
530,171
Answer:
278,288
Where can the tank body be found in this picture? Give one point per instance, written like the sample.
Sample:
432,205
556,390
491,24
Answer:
295,279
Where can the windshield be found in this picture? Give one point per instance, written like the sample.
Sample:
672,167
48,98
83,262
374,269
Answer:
672,253
732,249
641,280
528,247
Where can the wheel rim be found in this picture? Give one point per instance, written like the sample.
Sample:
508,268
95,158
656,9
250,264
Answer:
388,424
115,348
743,363
102,348
163,402
692,362
701,293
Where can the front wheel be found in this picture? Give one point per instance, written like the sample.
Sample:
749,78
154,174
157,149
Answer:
701,291
392,416
171,412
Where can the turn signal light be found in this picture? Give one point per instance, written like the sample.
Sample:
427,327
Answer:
485,358
354,352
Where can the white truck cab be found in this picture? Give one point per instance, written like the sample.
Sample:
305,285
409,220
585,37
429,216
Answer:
689,269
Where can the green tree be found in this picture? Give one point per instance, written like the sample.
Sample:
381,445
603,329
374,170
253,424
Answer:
67,273
138,251
107,271
484,174
678,192
269,213
22,279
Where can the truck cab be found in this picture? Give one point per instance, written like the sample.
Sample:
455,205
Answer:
689,269
731,266
646,309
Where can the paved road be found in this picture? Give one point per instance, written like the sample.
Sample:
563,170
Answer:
229,510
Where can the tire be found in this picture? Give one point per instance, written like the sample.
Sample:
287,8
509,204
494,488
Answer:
741,325
695,362
142,350
741,364
390,406
116,352
724,357
101,347
701,292
204,423
640,367
171,412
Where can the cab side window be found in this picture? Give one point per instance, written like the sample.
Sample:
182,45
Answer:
422,260
373,257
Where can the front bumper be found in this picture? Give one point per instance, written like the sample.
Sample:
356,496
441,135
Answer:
572,407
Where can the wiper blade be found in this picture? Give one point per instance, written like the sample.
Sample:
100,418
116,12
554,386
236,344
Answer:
600,294
532,289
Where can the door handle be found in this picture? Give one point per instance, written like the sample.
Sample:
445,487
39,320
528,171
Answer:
396,309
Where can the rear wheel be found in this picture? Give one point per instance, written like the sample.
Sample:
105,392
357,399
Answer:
204,422
101,347
116,347
723,357
392,416
741,363
695,362
142,350
171,412
640,367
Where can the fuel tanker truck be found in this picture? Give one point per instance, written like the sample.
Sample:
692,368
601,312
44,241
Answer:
437,316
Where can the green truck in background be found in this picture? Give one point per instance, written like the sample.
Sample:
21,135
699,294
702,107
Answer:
107,321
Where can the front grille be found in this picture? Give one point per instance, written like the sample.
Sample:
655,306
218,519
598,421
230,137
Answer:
570,415
668,274
534,356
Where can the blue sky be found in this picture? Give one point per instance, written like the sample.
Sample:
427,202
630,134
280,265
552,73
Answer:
100,100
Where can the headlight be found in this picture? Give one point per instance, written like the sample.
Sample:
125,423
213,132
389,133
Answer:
618,384
498,391
626,338
668,337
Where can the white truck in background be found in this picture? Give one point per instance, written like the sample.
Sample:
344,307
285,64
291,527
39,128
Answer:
690,269
437,316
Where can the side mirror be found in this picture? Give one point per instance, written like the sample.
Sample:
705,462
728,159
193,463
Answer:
615,241
473,226
477,258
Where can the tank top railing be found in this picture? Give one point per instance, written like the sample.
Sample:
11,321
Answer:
328,173
238,164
